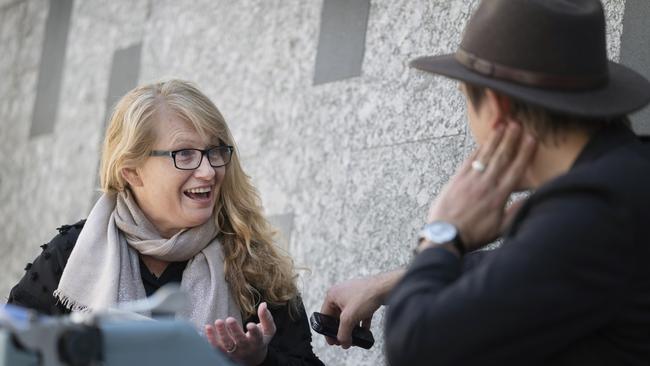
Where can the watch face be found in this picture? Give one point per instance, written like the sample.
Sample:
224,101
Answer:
441,232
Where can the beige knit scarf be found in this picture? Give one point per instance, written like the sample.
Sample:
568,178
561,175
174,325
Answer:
103,269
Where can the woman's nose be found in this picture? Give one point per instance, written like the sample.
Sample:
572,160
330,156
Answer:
205,170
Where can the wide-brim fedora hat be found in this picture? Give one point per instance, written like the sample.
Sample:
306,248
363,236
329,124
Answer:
550,53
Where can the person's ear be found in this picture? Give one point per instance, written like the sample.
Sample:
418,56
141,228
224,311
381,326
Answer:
131,176
498,107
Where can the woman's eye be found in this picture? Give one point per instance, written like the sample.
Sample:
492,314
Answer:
186,154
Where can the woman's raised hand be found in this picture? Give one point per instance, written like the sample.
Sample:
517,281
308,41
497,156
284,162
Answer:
249,348
474,199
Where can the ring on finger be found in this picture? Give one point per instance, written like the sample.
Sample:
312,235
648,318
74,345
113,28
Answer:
478,166
233,348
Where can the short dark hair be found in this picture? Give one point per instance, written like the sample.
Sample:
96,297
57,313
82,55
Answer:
542,121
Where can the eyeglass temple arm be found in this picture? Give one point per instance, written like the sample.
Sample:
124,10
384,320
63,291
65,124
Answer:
161,153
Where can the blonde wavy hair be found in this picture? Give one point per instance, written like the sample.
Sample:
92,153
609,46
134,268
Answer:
254,267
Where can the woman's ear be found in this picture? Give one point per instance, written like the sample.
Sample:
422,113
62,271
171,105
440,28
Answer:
131,176
499,107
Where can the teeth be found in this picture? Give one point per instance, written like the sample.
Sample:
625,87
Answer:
199,190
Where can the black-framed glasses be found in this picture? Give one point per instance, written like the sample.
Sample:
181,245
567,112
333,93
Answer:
190,159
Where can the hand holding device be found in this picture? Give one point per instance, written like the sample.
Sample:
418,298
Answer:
329,326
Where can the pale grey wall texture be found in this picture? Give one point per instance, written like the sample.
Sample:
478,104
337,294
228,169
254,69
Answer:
346,169
635,51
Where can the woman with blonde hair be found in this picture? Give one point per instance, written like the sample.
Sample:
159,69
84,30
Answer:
177,207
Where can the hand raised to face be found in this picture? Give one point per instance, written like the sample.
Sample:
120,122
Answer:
474,199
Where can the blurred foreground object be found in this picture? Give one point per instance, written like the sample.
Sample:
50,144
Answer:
113,337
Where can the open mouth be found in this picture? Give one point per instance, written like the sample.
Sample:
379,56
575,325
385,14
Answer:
199,194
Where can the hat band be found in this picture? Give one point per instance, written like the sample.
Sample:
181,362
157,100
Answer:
526,77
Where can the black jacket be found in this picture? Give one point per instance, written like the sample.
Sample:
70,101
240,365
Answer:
291,344
569,286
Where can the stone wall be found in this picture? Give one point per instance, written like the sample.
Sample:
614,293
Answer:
346,169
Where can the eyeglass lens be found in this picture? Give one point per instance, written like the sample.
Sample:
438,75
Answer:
191,158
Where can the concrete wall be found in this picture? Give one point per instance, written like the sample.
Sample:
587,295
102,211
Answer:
345,168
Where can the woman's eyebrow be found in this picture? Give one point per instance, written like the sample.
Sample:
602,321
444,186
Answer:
184,141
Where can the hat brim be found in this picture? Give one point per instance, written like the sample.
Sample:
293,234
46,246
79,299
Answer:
626,91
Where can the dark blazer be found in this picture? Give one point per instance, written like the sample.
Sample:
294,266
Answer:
291,344
570,285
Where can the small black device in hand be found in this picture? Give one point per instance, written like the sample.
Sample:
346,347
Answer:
329,326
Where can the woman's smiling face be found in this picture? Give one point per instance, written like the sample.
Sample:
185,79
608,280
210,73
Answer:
174,199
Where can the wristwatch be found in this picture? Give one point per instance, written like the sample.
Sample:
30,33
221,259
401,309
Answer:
442,232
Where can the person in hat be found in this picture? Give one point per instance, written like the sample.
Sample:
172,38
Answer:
570,284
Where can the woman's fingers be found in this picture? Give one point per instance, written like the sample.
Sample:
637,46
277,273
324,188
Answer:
504,154
486,151
266,320
254,333
249,347
224,341
211,335
235,331
512,177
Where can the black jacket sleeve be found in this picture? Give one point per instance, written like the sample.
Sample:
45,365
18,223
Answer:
35,289
558,279
291,345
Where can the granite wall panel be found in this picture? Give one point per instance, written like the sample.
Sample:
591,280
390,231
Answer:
23,24
341,40
51,67
635,51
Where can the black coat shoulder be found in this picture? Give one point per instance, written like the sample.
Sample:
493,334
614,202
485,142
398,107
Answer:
35,289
